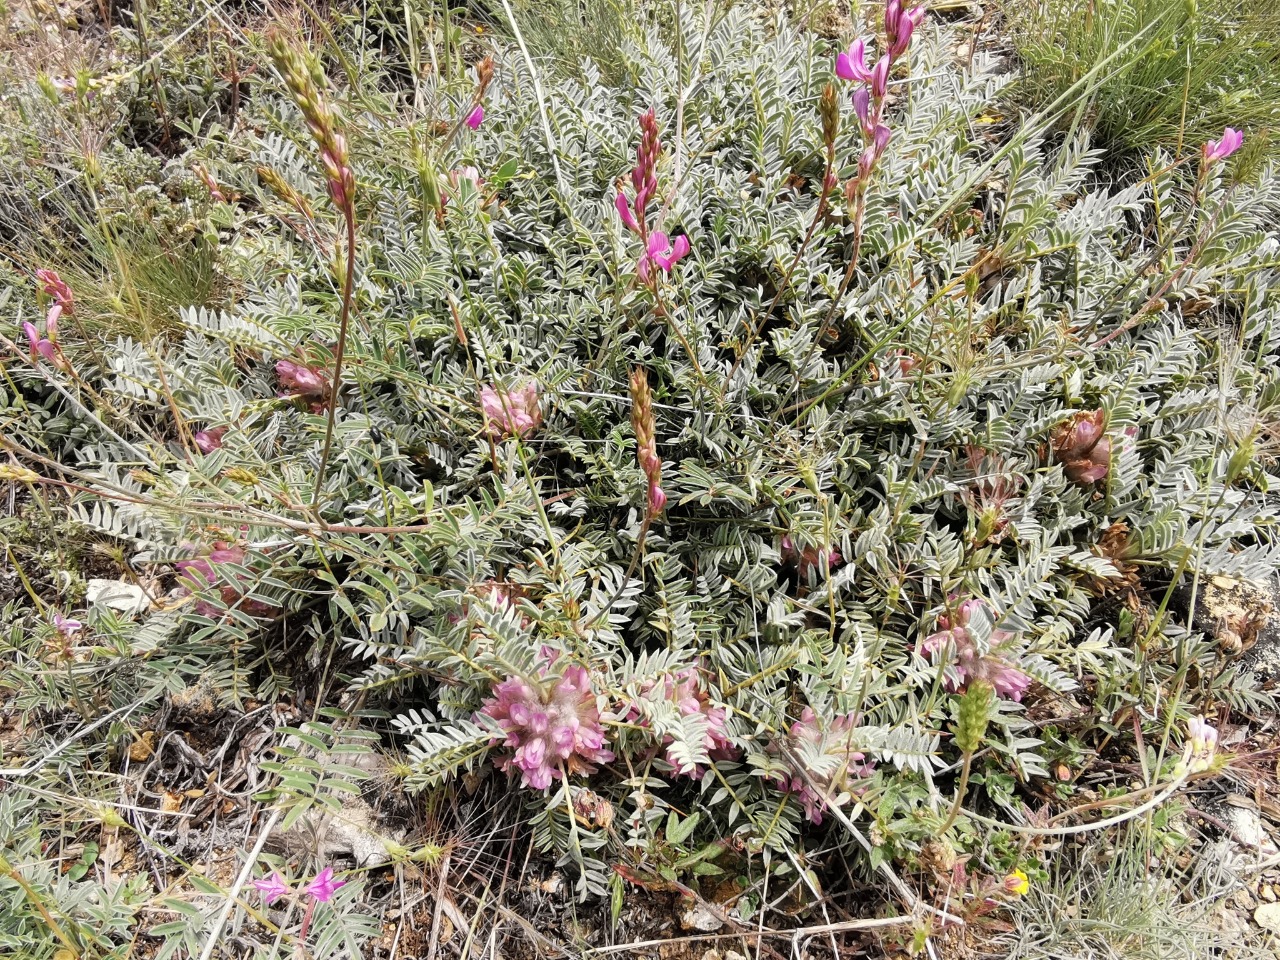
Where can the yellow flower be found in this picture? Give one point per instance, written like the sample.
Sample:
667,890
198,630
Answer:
1017,884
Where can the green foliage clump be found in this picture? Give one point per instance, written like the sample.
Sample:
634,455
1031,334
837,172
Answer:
1171,72
902,449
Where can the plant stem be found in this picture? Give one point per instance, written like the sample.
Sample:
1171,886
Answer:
961,789
348,280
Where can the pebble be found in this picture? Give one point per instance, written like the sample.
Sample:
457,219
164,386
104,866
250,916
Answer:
1267,917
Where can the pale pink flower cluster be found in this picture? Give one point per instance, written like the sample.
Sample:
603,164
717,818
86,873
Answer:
63,303
684,688
201,573
511,413
834,743
551,724
301,382
808,559
955,643
209,440
1082,447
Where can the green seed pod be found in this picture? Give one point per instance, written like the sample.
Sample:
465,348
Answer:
973,710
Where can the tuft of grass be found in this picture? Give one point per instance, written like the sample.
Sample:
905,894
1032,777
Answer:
1124,899
568,33
1191,67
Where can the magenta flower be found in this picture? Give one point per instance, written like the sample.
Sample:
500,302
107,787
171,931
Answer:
829,761
209,440
54,286
475,117
66,626
957,644
662,252
511,413
201,573
324,886
272,888
657,499
684,689
550,723
851,64
624,211
880,77
43,346
1082,447
899,25
298,380
862,109
1216,150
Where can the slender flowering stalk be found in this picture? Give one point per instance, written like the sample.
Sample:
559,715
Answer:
660,252
303,76
642,423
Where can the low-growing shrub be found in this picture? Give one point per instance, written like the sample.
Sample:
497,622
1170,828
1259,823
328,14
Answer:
752,445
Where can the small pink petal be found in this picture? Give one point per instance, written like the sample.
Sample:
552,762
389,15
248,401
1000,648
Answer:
475,117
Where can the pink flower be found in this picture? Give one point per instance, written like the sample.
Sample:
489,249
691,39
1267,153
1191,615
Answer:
1082,447
810,558
899,25
862,109
54,286
851,64
657,499
624,211
997,664
475,117
201,573
829,761
301,381
272,888
66,626
880,77
511,413
663,252
41,346
1216,150
323,887
549,723
684,689
209,440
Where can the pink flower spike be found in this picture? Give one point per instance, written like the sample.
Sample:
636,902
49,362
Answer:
1216,150
475,117
851,64
272,888
323,887
624,211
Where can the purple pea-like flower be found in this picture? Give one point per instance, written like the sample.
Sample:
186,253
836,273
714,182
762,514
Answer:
809,558
880,139
657,499
862,109
880,77
624,211
208,441
272,888
40,346
663,252
998,665
511,413
1083,448
324,886
1216,150
475,117
66,626
298,380
851,64
549,723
